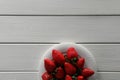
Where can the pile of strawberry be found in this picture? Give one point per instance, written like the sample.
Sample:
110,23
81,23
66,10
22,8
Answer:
66,66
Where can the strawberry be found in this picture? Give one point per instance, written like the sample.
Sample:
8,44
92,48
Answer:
46,76
59,73
49,65
68,77
86,72
80,63
71,53
69,68
80,78
58,57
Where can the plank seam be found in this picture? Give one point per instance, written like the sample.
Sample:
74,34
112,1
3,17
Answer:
38,71
58,42
60,15
27,71
19,71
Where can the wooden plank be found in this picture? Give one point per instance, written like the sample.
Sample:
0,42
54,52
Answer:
26,57
21,57
19,76
59,29
107,56
60,7
108,75
35,76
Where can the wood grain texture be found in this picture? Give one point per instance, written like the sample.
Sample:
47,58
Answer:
107,56
59,28
108,76
19,76
35,76
60,7
26,57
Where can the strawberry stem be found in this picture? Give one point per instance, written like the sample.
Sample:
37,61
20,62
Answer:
79,71
53,73
74,60
74,77
76,74
53,79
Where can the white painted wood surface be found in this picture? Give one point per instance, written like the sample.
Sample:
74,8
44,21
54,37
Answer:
35,76
25,57
60,28
23,39
60,7
19,76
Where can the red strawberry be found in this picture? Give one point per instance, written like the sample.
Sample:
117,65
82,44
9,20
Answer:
86,72
80,63
49,65
59,73
58,57
46,76
71,53
69,68
80,78
68,77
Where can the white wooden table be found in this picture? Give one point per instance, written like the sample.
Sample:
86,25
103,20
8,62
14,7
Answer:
29,27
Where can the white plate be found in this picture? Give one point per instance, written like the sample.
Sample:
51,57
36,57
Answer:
82,51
